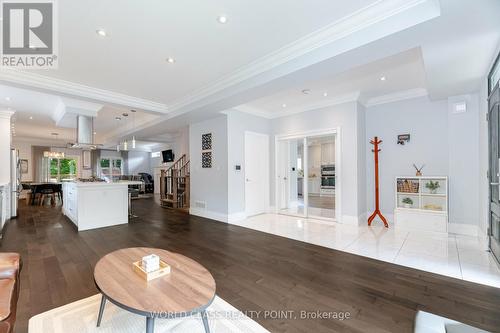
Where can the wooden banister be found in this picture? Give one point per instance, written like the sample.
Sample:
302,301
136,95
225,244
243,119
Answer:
174,184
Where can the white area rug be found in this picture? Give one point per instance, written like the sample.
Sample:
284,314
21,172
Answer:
81,317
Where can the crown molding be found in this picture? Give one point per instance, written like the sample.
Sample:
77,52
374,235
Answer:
397,96
251,110
38,81
6,114
362,19
305,108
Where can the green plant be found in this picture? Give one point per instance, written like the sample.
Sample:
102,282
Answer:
433,186
408,201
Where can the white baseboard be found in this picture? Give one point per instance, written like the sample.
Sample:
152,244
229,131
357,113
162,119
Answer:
351,220
463,229
209,214
236,217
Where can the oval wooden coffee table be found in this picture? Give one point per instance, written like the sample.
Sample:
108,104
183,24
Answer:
188,290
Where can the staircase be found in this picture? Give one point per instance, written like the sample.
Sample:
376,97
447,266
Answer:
174,185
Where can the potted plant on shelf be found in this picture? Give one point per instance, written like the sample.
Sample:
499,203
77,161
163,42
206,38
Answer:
432,186
407,202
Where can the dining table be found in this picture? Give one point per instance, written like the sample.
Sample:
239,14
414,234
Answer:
37,188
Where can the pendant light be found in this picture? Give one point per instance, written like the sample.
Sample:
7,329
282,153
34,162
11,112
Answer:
118,145
125,143
133,128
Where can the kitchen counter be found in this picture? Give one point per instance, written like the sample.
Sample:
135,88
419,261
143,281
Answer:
91,205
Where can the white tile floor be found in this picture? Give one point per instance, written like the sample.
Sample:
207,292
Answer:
461,257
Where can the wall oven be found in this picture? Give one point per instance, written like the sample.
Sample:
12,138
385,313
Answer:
328,170
327,181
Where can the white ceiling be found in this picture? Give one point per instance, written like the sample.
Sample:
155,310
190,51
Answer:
141,35
264,56
402,72
35,111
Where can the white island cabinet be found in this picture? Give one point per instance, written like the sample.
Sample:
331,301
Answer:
95,205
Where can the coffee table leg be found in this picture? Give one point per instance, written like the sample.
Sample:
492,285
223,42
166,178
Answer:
150,324
101,310
204,317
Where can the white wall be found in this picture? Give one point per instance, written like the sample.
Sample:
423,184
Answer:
427,123
5,143
345,117
361,147
25,154
209,185
463,140
447,143
139,161
180,146
238,123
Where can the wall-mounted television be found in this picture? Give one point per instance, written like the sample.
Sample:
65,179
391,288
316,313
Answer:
168,155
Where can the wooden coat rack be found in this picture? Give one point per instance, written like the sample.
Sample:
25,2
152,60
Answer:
375,142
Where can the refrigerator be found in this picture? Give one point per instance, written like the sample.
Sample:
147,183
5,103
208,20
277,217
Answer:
15,181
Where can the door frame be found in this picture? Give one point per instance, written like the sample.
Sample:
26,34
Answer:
337,131
492,244
266,177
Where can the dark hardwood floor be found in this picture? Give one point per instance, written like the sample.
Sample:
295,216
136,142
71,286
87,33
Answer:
253,271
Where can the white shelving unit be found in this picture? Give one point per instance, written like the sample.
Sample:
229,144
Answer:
429,209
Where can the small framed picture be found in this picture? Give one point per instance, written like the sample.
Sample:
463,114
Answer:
24,166
206,141
206,159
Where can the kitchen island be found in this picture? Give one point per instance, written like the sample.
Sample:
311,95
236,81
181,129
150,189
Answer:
91,205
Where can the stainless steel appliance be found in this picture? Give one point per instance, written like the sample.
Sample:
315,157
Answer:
328,176
15,181
327,181
328,170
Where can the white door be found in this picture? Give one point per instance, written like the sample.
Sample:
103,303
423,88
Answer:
256,173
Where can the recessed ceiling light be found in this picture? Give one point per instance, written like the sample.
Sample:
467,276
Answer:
95,133
222,19
7,99
170,60
325,94
283,105
31,117
382,78
306,91
118,118
101,32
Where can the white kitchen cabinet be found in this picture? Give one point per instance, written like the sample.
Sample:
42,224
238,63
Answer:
327,153
314,185
314,157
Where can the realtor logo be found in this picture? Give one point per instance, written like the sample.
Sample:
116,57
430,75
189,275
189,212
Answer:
29,34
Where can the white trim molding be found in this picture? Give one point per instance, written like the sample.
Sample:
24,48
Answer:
6,114
209,214
463,229
372,22
397,96
59,86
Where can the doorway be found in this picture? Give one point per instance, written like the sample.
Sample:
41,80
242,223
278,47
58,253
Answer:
256,173
306,175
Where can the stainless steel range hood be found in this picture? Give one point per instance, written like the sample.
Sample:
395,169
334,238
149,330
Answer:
84,133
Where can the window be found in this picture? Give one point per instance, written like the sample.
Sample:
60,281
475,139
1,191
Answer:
111,167
155,154
63,169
